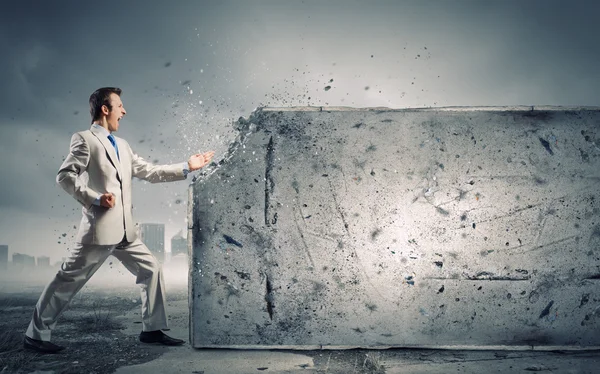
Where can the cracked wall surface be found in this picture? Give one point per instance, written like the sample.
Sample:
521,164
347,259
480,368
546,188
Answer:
340,227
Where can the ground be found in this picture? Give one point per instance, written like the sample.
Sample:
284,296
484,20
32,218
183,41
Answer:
92,329
100,329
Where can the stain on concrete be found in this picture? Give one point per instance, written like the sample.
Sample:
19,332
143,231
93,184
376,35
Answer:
442,211
546,145
371,307
243,275
371,148
231,240
546,310
296,186
375,233
592,317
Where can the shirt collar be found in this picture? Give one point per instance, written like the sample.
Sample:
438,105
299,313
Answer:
101,129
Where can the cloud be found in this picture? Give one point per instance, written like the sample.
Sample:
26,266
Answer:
236,55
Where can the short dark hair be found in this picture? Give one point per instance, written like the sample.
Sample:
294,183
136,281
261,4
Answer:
101,97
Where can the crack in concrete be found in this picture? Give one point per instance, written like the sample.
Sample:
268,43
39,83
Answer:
306,250
269,297
269,182
355,255
542,245
486,275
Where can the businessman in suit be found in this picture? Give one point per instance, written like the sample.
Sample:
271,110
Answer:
98,173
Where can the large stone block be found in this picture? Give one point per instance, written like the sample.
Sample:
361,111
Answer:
339,227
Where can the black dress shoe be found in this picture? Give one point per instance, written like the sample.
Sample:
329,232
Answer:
159,337
41,346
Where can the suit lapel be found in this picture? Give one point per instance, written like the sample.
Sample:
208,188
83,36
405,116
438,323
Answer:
110,150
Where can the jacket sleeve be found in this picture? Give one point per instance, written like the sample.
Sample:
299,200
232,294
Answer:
70,170
147,171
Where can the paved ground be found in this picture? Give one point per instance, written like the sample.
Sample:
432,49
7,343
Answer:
100,331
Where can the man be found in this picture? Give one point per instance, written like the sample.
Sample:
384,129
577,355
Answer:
98,173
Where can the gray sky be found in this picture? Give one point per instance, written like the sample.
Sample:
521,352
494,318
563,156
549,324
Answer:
190,68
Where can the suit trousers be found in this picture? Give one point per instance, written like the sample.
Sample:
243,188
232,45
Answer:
82,263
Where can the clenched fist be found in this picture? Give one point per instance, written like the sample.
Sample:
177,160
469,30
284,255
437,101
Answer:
107,200
199,160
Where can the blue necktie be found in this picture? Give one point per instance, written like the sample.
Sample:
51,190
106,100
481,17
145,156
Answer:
114,143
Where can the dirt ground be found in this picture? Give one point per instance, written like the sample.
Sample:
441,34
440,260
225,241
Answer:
90,328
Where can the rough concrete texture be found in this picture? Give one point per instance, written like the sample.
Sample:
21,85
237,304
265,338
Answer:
451,227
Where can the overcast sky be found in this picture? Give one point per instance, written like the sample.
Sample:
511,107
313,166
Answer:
190,68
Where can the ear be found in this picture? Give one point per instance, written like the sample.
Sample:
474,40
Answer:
105,110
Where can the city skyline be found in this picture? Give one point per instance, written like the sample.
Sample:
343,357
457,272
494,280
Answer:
167,246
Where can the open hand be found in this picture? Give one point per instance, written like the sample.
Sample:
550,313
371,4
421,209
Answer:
107,200
200,159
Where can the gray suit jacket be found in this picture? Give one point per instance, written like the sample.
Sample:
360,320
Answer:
92,168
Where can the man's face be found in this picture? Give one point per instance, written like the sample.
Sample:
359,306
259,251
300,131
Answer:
114,116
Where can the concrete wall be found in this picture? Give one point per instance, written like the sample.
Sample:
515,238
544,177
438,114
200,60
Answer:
424,227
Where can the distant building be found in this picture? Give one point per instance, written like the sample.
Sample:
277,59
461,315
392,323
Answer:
3,256
153,235
43,262
22,262
179,261
178,245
